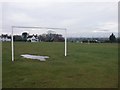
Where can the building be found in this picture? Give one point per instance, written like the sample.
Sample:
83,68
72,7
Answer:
32,38
5,38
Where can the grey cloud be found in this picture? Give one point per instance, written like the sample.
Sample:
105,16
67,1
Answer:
76,17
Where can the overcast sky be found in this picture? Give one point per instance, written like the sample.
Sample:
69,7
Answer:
82,19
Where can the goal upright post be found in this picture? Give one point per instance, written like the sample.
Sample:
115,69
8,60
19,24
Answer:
12,45
65,42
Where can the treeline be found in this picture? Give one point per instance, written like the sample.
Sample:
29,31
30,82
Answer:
52,37
39,38
110,39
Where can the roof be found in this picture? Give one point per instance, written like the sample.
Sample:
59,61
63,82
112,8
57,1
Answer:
30,36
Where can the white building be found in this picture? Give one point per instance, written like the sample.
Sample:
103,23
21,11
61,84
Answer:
32,39
5,38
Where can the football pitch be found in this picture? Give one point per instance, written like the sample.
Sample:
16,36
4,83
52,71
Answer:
93,65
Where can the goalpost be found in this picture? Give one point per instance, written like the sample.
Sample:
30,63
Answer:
12,44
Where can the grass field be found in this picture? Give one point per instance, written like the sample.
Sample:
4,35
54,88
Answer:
1,65
86,66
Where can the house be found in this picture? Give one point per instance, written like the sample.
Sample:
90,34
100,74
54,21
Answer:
5,37
32,38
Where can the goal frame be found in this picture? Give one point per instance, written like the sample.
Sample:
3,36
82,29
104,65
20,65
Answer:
12,42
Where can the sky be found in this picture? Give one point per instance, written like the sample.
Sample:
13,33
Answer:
81,19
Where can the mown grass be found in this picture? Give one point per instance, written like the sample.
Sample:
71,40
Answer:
0,65
86,66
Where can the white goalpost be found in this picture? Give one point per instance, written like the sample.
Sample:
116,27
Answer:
12,34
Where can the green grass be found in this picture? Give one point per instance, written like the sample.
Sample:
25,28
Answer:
0,65
86,66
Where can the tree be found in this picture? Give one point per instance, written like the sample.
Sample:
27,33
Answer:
17,38
112,38
118,39
50,36
24,36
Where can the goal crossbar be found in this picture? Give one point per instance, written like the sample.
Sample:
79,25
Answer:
38,27
12,44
